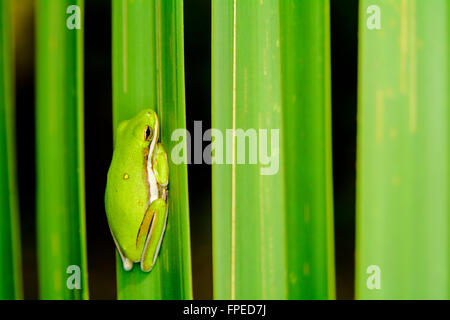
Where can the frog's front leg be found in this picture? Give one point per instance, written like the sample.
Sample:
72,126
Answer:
161,166
158,211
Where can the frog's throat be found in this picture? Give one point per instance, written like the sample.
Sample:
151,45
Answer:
152,183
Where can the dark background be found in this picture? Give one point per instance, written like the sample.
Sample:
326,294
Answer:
98,144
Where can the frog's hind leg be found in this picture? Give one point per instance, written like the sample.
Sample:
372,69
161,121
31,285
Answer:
155,234
127,263
161,166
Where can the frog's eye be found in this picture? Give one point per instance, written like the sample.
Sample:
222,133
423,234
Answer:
148,133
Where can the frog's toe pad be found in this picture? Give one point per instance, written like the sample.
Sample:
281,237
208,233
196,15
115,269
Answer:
146,268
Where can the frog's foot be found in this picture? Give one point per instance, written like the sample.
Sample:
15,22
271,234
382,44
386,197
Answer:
127,263
155,235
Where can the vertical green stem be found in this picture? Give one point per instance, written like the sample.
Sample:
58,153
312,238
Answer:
403,209
10,258
306,81
148,72
272,232
60,152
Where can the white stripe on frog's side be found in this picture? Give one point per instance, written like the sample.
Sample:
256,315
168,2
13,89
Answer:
152,183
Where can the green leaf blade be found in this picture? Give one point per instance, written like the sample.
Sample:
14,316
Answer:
10,244
272,234
60,151
402,158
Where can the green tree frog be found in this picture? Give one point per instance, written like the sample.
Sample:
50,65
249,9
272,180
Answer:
136,191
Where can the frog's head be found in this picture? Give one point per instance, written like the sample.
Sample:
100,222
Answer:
144,127
141,131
